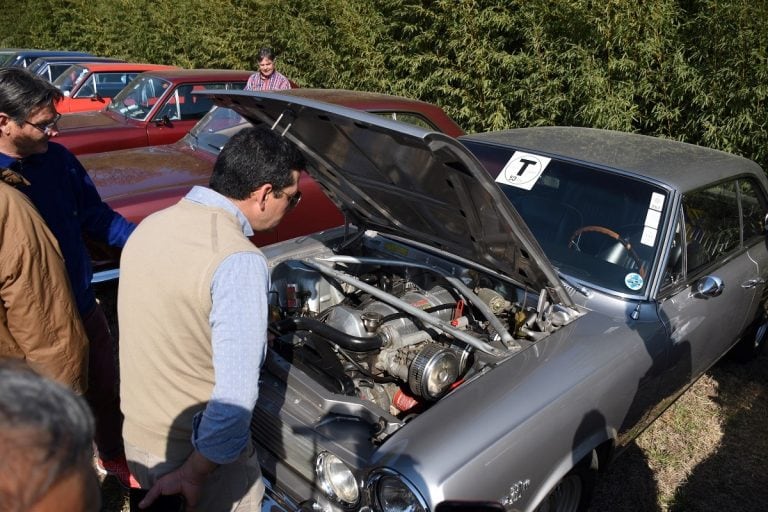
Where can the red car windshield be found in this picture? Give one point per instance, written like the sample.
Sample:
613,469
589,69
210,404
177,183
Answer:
136,100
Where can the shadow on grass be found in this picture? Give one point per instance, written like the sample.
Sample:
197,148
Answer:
627,486
734,478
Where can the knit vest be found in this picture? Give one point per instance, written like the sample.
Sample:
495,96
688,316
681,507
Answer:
164,302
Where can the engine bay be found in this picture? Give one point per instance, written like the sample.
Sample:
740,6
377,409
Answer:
396,326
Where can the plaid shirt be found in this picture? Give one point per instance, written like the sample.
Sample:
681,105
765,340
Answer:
274,81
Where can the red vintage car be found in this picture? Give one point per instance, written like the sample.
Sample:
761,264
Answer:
157,107
91,86
137,182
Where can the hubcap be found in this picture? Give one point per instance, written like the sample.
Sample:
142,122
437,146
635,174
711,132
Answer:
565,497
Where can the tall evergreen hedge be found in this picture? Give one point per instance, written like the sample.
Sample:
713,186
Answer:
693,70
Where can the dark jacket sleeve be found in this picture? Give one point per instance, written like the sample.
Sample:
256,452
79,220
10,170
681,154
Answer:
98,220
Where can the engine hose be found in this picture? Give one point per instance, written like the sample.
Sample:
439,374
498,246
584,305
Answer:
365,371
342,339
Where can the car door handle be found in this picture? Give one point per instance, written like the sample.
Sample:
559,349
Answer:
751,283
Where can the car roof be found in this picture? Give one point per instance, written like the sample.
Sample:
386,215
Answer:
26,53
373,101
678,164
189,75
75,59
95,67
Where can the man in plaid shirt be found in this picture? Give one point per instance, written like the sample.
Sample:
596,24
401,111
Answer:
267,78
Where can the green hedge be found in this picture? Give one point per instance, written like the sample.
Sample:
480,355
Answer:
693,70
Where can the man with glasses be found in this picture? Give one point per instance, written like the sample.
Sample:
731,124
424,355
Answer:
66,198
192,307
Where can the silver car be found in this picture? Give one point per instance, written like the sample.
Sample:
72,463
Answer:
501,314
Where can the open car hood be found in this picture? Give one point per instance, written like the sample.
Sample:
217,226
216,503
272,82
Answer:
400,179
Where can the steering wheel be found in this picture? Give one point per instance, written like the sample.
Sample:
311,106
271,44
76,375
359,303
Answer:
572,243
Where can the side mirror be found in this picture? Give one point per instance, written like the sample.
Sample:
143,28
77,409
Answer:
765,224
708,286
164,121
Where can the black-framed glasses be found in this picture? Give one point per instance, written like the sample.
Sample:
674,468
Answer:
293,200
46,128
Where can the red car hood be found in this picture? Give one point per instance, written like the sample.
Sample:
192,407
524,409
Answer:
87,120
136,174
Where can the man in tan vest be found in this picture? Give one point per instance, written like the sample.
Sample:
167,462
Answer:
192,308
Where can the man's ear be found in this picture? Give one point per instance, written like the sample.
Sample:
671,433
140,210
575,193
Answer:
261,193
4,120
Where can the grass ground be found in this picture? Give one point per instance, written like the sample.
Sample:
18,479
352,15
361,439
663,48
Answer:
706,453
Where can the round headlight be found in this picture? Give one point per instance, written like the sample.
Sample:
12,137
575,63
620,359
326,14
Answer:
394,495
336,479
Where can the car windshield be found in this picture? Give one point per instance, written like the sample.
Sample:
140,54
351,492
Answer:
138,98
599,227
215,129
70,78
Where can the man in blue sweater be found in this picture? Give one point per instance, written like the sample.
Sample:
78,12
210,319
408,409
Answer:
67,199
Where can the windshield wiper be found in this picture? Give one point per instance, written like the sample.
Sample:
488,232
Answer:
576,286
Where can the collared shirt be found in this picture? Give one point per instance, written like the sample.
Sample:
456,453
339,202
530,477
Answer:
275,81
238,322
68,201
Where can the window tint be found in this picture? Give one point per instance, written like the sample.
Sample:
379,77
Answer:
712,224
753,209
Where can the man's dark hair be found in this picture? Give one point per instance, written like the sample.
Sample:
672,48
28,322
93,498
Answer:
46,431
21,92
266,53
254,157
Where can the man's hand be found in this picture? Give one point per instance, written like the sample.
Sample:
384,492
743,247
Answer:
187,480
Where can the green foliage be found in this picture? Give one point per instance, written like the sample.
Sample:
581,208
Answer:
694,70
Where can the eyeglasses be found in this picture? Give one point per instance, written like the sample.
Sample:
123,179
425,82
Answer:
46,128
293,200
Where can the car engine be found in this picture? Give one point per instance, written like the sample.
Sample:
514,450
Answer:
400,333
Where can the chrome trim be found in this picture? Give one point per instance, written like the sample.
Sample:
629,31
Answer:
435,322
506,337
377,474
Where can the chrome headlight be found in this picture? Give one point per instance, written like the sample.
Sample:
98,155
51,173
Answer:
392,493
336,479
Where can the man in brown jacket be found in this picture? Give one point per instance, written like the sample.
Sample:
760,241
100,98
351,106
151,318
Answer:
38,318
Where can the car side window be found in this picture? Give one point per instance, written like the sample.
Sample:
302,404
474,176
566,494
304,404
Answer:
674,269
106,85
753,210
87,90
712,224
183,105
410,118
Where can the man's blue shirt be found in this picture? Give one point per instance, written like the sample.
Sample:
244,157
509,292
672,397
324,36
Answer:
238,320
67,199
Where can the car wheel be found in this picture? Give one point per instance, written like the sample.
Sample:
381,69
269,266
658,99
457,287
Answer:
574,492
753,339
